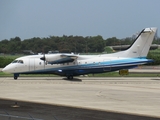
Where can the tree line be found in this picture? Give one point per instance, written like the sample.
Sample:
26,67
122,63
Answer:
64,44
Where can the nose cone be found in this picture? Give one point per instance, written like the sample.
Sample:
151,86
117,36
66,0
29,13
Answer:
6,69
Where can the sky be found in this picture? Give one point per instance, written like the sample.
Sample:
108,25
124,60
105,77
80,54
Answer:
109,18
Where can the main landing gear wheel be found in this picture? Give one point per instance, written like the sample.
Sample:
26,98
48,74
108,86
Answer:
70,77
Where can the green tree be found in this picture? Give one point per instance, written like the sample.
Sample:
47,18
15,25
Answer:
112,41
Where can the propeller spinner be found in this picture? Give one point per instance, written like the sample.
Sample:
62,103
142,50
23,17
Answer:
43,58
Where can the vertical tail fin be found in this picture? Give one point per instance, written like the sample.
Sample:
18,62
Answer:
141,45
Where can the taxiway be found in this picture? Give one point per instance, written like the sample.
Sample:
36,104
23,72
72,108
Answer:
135,96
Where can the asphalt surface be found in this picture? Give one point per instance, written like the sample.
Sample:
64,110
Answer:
84,98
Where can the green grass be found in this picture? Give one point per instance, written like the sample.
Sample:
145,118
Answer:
109,74
27,75
116,74
5,74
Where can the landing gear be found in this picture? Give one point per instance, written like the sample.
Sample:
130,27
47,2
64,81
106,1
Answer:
70,77
16,76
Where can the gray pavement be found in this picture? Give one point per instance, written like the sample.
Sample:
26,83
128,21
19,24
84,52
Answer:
137,96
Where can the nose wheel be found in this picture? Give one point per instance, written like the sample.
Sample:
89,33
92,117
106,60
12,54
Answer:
16,76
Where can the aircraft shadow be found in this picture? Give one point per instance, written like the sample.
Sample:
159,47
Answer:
12,109
74,79
156,79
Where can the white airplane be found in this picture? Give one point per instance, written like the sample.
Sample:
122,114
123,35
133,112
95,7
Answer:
70,65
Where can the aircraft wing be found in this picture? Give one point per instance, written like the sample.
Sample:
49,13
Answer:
64,58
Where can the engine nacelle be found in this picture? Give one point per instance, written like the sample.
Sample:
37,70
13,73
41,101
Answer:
58,58
50,57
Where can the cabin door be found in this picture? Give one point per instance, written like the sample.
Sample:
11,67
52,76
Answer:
39,64
31,64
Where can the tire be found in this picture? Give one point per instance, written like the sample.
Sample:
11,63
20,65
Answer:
70,77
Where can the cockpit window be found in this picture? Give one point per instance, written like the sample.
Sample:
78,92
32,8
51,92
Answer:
15,61
18,61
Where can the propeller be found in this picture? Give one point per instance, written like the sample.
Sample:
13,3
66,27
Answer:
43,58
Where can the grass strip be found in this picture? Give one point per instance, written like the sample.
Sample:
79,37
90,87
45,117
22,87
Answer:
108,74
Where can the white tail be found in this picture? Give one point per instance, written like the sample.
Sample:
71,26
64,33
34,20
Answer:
141,45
